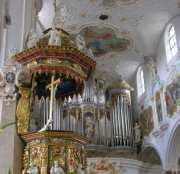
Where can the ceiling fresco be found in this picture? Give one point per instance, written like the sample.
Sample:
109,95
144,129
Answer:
104,40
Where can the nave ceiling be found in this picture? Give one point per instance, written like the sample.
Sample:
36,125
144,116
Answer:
121,33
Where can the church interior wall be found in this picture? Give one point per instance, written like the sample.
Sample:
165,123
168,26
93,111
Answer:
164,132
165,135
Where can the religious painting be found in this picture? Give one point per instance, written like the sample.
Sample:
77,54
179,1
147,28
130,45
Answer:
111,3
146,121
104,40
88,123
104,166
172,96
159,107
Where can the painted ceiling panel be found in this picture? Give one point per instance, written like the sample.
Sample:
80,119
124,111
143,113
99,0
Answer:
104,40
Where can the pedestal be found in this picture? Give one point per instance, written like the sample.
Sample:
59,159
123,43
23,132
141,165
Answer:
43,148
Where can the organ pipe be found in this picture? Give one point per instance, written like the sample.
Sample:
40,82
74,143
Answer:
121,118
117,131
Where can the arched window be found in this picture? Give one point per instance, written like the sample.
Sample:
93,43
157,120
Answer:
140,82
172,44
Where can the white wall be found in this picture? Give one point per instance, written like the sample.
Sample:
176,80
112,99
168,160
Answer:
14,35
162,135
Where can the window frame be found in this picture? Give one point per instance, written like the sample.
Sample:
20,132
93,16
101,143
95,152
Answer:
140,83
170,60
172,41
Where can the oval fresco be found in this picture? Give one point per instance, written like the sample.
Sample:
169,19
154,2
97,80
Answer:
104,40
111,3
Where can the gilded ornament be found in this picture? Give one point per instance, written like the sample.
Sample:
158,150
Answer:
23,110
122,83
125,95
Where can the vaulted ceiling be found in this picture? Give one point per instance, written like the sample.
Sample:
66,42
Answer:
119,32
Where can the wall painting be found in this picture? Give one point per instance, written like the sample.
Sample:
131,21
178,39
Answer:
146,121
159,107
172,96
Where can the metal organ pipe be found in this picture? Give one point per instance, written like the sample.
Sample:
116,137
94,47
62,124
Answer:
115,115
112,126
122,116
127,124
119,120
122,129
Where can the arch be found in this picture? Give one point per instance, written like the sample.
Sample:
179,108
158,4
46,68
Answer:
173,150
150,152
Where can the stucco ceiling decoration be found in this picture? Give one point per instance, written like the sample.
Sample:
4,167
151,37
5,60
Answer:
114,3
141,22
63,14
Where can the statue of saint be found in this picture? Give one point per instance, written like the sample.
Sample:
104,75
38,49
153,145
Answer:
32,169
56,169
54,39
32,38
137,132
80,42
152,65
80,170
89,127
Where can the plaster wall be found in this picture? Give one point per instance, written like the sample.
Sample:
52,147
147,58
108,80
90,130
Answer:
162,134
13,37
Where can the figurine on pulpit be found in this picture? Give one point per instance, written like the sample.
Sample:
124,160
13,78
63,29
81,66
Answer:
32,38
32,169
56,169
54,39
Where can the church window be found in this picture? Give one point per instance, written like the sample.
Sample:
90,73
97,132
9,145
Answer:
172,44
140,82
